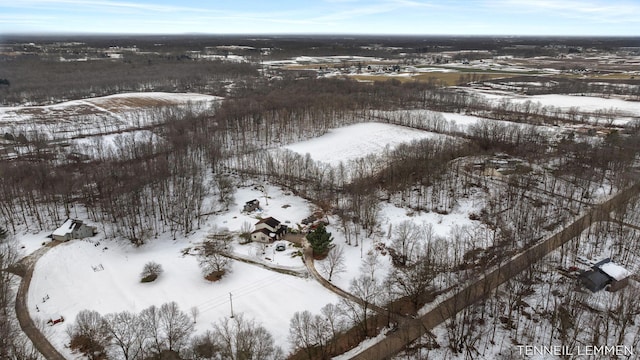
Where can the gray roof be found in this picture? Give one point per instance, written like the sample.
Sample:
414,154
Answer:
594,280
270,221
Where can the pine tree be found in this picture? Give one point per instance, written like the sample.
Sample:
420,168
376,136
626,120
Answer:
320,240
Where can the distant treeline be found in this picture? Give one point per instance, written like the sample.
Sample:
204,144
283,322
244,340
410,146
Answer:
34,79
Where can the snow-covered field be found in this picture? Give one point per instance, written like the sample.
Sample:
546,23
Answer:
357,141
103,275
99,115
626,110
82,275
584,103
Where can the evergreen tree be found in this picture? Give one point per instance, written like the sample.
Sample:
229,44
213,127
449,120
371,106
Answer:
320,240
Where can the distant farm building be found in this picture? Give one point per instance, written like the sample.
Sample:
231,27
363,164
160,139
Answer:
73,229
605,275
268,230
252,205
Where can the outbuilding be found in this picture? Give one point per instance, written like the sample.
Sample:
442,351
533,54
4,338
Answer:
73,229
605,274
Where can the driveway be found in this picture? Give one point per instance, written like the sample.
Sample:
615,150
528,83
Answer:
39,341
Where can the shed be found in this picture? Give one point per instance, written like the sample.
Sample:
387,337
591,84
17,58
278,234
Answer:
252,205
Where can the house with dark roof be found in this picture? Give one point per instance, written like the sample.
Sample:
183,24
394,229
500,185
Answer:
73,229
268,230
605,274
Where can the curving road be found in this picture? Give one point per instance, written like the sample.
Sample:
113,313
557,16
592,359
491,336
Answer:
39,341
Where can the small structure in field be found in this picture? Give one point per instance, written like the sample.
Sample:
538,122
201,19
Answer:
252,205
73,229
268,230
605,274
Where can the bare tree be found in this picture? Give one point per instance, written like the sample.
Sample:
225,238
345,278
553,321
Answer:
301,332
226,189
334,263
213,260
335,322
240,339
205,347
126,333
316,334
89,335
406,237
415,279
370,292
150,271
150,318
175,326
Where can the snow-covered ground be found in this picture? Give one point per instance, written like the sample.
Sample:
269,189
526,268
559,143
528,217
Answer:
99,115
625,110
357,141
104,274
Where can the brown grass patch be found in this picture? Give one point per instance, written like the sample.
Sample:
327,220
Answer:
446,78
133,102
215,276
149,278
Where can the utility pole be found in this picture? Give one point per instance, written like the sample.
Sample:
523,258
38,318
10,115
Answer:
231,303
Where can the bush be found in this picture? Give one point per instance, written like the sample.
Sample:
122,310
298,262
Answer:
150,272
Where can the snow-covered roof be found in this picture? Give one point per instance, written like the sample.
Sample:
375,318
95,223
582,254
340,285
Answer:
63,230
615,271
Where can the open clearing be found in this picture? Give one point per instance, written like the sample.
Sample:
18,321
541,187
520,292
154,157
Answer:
100,115
103,275
357,141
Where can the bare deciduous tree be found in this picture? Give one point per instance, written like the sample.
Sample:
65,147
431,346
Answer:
126,333
89,335
213,260
150,271
334,263
240,339
371,292
175,326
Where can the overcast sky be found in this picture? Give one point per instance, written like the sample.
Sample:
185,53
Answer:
442,17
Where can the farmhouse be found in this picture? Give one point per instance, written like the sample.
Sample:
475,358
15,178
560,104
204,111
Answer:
605,274
268,230
249,206
73,229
